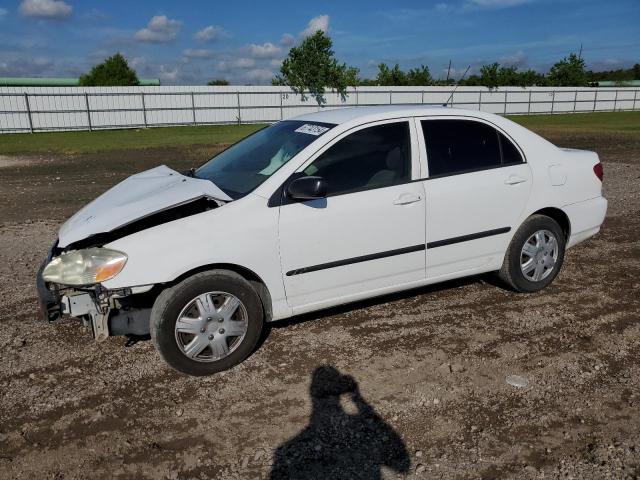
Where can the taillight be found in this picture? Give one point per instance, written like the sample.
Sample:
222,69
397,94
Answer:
597,169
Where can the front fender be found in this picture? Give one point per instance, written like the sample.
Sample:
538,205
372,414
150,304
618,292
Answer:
243,233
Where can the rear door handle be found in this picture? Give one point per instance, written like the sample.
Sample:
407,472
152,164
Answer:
514,180
406,199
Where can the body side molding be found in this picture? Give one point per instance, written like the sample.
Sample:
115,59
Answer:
363,258
466,238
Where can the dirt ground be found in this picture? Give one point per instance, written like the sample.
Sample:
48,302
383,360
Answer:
422,374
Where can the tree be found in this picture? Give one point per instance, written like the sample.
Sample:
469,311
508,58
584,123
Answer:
396,77
113,72
530,78
620,75
493,76
489,76
390,77
568,72
312,67
218,82
420,76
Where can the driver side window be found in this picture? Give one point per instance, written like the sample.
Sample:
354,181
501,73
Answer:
373,157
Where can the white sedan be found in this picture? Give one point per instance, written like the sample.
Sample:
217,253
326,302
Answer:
320,210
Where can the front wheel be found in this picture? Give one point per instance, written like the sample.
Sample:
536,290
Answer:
207,323
535,255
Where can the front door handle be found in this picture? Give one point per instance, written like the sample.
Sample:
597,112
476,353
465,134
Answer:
514,180
406,199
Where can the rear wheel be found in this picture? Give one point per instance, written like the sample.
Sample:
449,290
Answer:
535,255
207,323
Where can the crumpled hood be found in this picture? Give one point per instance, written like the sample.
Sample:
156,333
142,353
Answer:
136,197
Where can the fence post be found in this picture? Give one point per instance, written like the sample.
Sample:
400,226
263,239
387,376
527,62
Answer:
480,101
615,101
144,110
553,100
506,93
358,97
281,109
390,93
595,100
635,95
575,99
26,101
193,109
529,104
86,104
238,100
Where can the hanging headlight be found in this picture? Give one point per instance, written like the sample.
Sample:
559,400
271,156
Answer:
85,267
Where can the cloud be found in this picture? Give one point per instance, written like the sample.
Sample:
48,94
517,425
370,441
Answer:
466,6
21,67
137,62
95,14
241,63
443,7
287,40
47,9
3,12
518,60
496,3
160,29
198,53
168,74
259,75
266,50
210,34
320,22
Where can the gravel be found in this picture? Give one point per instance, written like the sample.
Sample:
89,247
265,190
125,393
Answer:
422,372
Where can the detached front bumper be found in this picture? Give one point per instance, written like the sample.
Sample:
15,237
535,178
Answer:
50,307
107,312
75,303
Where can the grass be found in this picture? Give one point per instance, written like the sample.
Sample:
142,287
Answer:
625,123
113,140
599,122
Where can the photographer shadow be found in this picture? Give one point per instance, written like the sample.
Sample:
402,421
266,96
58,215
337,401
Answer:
336,443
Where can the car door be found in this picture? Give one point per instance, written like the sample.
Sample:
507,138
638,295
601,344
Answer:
368,234
477,188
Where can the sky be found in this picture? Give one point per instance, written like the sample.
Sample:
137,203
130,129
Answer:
191,42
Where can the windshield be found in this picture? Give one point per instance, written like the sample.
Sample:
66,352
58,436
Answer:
244,166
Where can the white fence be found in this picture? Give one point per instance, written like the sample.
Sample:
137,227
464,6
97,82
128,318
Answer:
37,109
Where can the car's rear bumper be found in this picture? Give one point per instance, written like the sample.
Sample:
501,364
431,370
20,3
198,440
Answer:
586,218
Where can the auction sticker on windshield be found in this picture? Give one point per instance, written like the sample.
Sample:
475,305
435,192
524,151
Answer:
311,129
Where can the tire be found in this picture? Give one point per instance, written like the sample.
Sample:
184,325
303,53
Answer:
196,344
539,255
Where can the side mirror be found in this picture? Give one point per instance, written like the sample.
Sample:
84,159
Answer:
307,188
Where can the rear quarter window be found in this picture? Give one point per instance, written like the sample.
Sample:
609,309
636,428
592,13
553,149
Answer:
510,153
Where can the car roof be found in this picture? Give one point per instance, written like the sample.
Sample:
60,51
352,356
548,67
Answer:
373,113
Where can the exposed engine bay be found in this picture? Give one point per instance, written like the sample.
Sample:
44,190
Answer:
123,311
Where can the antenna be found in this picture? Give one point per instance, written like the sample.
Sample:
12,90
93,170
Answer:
448,70
580,54
456,87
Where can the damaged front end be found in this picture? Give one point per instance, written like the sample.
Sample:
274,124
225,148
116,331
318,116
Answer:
106,312
71,280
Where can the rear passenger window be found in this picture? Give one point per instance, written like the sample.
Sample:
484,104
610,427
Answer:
510,154
459,146
373,157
